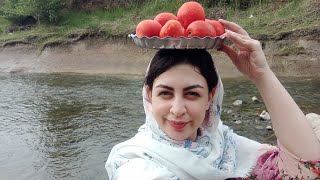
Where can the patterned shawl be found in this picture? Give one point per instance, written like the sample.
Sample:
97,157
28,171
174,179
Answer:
217,153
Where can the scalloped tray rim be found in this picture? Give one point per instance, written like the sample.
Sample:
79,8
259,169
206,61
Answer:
155,42
181,37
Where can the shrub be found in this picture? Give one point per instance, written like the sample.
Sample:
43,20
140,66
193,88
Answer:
235,4
101,4
42,10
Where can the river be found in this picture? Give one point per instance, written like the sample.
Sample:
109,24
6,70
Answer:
63,126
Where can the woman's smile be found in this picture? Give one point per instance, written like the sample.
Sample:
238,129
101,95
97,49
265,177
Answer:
178,125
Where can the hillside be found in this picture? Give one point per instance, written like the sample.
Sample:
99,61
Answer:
288,30
265,21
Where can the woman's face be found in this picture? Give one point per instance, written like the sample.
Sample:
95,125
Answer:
180,98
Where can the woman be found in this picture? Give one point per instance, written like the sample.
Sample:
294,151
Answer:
183,136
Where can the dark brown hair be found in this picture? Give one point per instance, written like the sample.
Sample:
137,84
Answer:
167,58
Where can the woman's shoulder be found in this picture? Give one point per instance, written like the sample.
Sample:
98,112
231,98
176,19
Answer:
128,160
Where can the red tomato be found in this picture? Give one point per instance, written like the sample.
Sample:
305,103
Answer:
163,18
148,28
201,29
190,12
172,28
217,26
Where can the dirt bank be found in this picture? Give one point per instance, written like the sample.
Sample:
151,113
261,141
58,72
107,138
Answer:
97,56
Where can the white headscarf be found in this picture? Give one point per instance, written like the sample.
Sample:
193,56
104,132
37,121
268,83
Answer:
217,153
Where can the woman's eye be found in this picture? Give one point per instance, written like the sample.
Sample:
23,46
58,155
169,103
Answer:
193,94
164,93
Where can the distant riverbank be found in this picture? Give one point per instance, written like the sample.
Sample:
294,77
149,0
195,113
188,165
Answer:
96,41
97,56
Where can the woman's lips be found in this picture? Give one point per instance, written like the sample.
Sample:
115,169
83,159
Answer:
178,126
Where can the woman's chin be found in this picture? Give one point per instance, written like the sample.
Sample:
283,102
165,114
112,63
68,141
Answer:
177,136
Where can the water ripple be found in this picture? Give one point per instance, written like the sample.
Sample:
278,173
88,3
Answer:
63,126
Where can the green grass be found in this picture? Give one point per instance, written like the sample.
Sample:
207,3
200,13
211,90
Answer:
290,49
116,21
3,24
267,19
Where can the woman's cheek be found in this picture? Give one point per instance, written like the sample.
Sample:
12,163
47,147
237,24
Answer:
197,111
161,107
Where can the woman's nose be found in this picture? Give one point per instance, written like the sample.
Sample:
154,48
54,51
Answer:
178,107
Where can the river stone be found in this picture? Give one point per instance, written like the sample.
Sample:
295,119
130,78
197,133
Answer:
259,127
269,128
237,115
229,111
265,115
237,103
238,122
255,99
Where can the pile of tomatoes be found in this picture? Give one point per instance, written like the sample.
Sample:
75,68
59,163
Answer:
189,22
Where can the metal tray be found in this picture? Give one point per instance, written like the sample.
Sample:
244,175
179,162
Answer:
178,43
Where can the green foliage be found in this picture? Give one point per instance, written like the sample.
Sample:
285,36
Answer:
101,4
289,49
17,10
270,18
263,17
3,24
235,4
117,20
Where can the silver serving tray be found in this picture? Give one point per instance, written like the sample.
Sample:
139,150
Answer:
178,43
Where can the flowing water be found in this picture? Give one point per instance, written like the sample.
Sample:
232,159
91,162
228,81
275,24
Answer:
63,126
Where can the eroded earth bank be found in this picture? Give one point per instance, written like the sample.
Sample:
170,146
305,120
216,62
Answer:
295,56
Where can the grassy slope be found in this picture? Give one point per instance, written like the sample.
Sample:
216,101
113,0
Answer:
266,19
269,19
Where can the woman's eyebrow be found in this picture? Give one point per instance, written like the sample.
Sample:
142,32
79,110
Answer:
164,86
192,87
184,89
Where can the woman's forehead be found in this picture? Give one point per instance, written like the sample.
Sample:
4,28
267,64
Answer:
182,74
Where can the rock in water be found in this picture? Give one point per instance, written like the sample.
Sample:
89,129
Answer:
229,111
265,115
269,128
255,99
259,127
237,103
238,122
